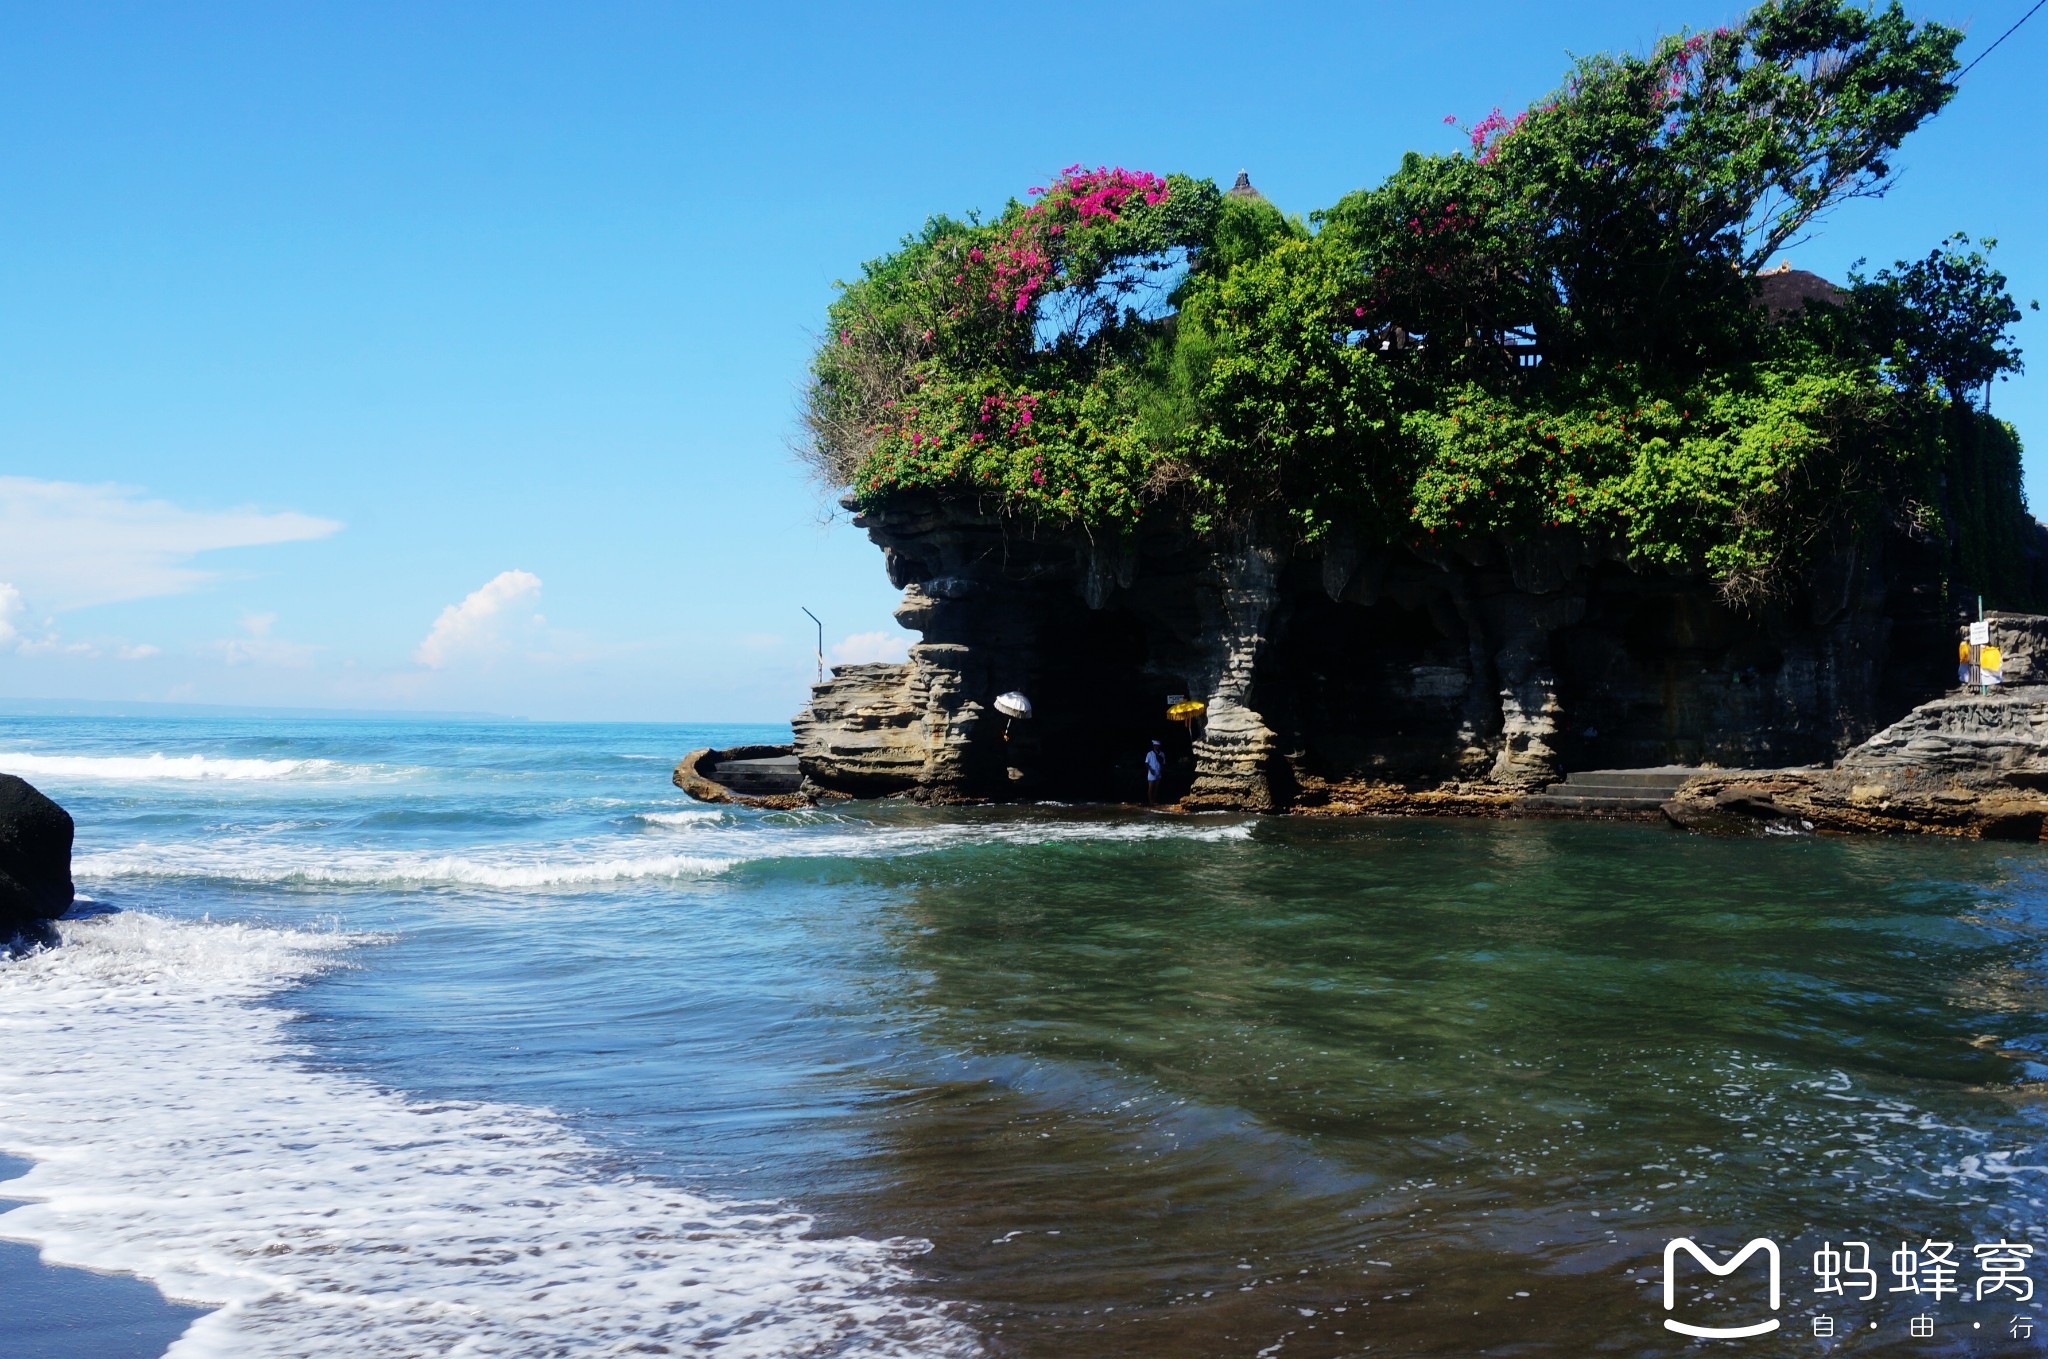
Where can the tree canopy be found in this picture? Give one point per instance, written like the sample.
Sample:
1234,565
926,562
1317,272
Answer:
1557,329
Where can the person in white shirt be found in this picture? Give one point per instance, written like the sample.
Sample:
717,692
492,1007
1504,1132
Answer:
1155,769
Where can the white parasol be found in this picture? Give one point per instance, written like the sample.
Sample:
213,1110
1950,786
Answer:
1012,706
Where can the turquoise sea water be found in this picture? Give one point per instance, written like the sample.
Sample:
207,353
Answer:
393,1039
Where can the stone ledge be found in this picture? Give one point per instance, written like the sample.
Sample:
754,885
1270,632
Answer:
693,776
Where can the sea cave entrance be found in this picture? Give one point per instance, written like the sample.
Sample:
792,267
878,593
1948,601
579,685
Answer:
1379,691
1099,690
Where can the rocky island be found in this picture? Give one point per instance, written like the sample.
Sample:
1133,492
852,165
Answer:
1524,461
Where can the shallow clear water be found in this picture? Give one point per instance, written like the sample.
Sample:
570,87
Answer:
481,1039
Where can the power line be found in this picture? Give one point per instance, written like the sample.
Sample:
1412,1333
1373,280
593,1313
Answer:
2001,38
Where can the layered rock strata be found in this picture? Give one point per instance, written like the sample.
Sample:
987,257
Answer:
864,733
1968,763
1345,675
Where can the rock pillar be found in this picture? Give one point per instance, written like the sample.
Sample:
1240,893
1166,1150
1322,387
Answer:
1529,707
1234,756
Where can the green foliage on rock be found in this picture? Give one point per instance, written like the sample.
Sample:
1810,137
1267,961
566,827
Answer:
1558,331
1940,322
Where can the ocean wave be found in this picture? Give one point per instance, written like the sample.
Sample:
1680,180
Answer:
280,865
885,842
685,819
156,766
178,1134
721,844
1162,829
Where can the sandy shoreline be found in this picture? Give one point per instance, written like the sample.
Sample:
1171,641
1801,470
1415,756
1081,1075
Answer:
48,1312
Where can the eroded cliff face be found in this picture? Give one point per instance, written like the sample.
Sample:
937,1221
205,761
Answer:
1343,670
1971,762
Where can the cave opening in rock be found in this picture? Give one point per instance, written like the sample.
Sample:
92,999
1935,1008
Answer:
1099,695
1369,691
1654,675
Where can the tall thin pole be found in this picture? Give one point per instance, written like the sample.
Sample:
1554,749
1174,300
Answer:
1983,685
821,638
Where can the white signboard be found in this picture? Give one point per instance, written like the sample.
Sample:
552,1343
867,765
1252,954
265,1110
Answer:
1980,634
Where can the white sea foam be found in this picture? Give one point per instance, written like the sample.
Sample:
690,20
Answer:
156,766
287,865
1030,833
687,819
882,842
722,845
178,1134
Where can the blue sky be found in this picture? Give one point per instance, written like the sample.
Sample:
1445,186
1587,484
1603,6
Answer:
445,356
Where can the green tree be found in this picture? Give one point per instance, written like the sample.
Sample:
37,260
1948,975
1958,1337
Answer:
1556,332
1649,188
1940,322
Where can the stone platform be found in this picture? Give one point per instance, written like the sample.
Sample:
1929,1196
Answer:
749,776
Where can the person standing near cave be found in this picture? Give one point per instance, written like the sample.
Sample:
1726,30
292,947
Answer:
1155,769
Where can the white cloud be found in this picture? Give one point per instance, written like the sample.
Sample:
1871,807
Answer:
260,648
484,622
862,647
68,544
52,645
12,638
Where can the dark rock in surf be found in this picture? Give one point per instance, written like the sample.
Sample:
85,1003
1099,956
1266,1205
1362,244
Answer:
35,863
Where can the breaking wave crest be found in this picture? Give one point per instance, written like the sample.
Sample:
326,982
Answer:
618,861
689,818
721,845
178,1135
157,766
371,868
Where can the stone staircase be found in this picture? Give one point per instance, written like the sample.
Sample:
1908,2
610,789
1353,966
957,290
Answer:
1610,790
